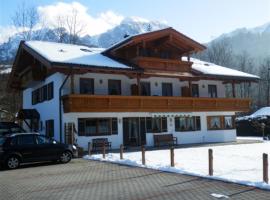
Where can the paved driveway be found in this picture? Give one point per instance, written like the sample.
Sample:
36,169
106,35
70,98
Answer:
95,180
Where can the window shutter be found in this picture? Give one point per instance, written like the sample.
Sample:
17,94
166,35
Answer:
50,91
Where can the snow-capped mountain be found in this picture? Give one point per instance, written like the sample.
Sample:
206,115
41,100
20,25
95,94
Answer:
129,26
254,41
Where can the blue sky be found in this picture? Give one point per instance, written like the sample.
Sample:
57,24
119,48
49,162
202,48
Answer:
199,19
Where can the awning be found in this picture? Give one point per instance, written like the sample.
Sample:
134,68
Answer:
28,114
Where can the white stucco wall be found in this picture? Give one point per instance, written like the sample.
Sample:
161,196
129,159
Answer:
201,136
47,109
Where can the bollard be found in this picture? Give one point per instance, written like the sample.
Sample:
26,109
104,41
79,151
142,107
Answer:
89,148
172,157
143,155
103,150
210,161
121,151
265,168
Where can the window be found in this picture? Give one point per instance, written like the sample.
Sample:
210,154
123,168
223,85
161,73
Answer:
97,126
114,87
50,128
86,86
26,139
195,90
42,94
145,89
187,123
212,91
156,124
220,122
228,122
43,140
167,89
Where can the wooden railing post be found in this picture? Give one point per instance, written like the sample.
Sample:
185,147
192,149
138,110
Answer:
265,168
121,151
143,155
172,156
210,161
89,148
103,150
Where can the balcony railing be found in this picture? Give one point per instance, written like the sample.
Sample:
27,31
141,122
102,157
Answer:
108,103
163,64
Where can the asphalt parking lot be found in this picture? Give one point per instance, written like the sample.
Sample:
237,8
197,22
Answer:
81,179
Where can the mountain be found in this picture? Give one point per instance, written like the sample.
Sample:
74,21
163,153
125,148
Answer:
254,41
129,26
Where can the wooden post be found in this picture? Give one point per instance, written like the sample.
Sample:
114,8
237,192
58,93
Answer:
210,161
139,84
233,89
143,155
89,148
103,150
265,168
190,87
121,151
72,83
172,156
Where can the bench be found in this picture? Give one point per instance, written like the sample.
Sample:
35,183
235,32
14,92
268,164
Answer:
166,139
98,143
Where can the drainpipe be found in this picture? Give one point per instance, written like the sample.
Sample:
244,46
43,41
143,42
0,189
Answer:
60,105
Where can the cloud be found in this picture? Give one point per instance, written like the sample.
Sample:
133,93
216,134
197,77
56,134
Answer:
92,25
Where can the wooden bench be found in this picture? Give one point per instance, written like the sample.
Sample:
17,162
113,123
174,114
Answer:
165,139
98,143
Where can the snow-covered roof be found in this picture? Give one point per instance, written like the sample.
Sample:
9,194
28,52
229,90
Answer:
73,54
207,68
261,113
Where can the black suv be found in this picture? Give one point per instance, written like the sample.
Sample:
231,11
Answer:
31,147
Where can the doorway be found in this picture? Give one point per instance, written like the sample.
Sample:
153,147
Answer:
134,131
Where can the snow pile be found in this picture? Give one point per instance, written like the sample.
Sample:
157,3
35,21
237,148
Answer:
73,54
262,113
208,68
235,163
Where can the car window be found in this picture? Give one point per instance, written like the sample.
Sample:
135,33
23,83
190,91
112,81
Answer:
43,140
26,139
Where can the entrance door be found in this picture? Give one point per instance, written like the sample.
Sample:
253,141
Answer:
133,135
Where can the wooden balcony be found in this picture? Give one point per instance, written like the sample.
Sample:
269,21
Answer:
163,64
109,103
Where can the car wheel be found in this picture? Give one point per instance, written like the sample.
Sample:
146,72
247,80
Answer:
65,157
13,162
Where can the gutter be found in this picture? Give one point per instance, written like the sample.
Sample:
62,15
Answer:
60,105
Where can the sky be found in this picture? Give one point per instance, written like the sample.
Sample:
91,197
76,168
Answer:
202,20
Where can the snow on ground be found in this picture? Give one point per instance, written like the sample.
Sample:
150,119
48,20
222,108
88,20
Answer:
235,163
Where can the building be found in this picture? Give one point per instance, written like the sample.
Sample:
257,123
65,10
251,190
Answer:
146,84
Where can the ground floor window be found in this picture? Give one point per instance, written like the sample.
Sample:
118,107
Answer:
97,126
49,128
220,122
187,123
156,124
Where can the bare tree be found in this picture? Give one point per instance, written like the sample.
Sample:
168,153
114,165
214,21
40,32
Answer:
25,19
75,27
60,28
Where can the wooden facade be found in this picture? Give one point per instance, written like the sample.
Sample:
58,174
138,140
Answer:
111,103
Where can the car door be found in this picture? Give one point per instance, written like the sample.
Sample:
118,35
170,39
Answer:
46,148
26,146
